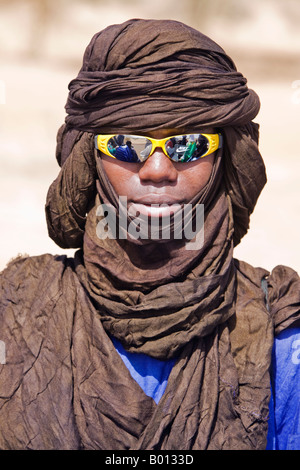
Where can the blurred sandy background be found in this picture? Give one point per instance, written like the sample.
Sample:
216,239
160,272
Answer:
41,48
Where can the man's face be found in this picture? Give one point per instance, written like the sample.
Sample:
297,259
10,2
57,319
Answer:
158,180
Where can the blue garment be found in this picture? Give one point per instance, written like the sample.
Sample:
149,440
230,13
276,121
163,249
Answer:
284,423
151,374
126,154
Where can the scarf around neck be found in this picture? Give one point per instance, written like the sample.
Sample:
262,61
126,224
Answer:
156,297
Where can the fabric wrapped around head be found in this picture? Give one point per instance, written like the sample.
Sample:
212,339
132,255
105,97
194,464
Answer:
145,75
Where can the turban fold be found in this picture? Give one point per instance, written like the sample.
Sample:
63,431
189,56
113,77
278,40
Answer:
153,74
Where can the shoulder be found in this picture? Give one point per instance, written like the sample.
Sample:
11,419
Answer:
29,285
280,275
284,297
281,290
24,276
31,265
246,273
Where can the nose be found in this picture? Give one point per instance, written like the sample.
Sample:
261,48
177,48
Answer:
158,168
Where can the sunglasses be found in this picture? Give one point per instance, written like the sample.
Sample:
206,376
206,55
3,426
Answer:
137,148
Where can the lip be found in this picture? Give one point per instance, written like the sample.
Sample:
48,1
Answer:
153,210
154,198
155,205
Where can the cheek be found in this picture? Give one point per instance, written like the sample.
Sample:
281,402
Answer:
197,176
192,177
121,178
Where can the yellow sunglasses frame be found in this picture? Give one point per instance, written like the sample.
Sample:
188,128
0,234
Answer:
101,141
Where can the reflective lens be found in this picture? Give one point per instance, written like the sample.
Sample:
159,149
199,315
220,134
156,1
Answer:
129,148
179,148
186,148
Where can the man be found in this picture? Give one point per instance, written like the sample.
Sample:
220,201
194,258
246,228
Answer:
147,341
